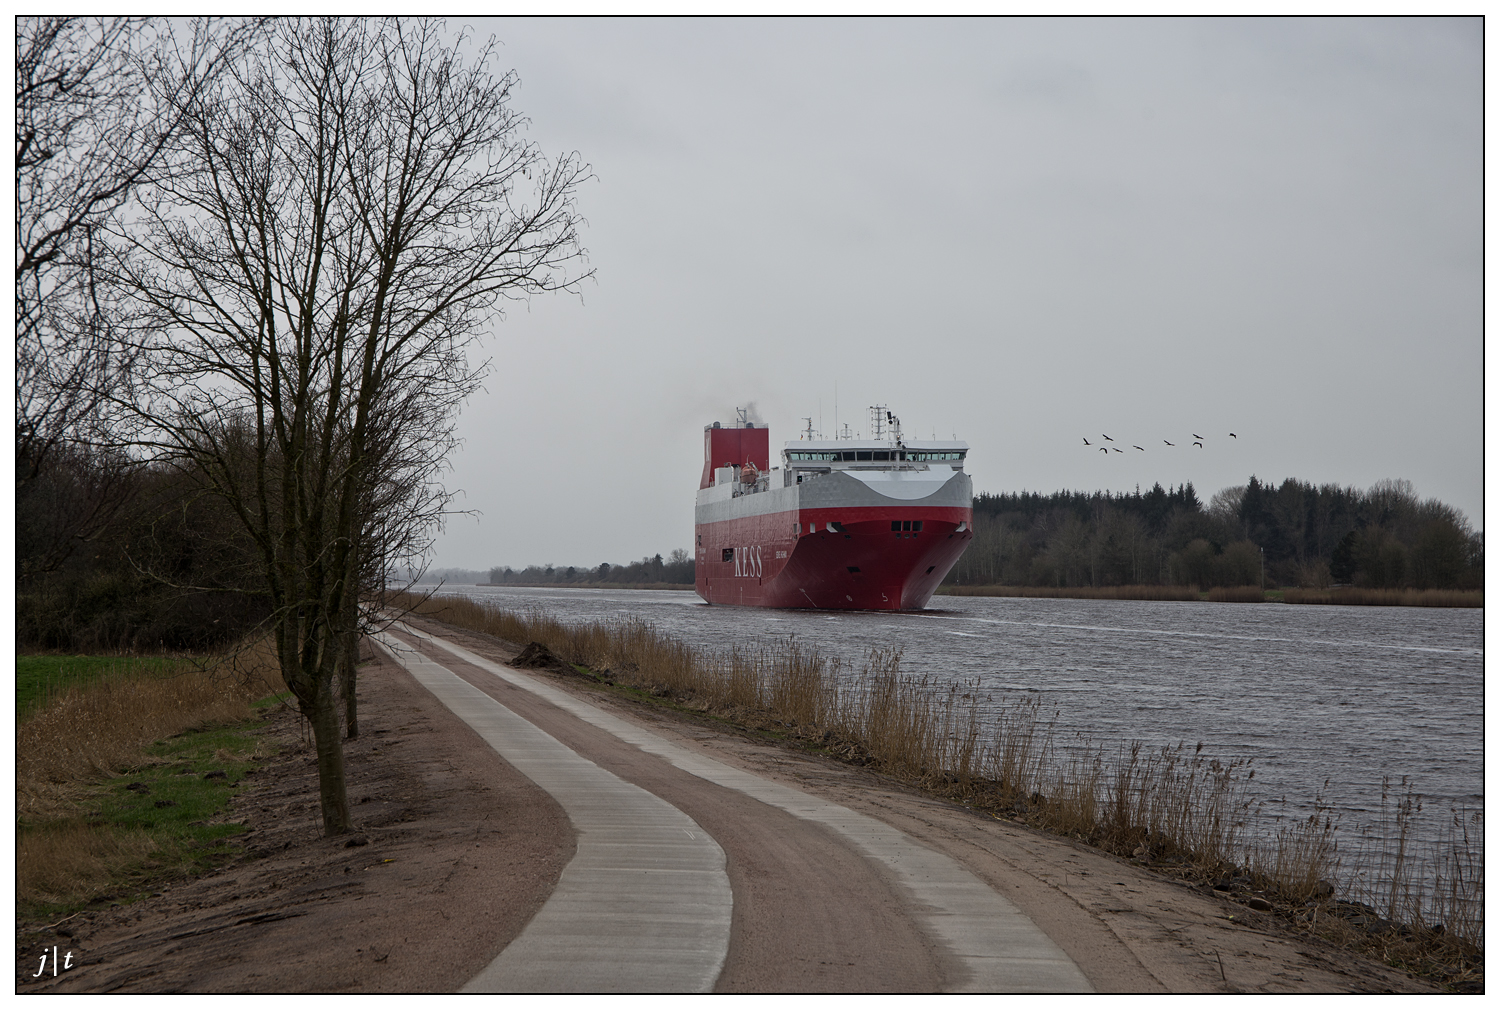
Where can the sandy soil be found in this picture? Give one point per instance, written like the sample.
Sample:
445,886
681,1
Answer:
476,848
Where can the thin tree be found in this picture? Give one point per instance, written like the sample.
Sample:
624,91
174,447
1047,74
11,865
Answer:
340,217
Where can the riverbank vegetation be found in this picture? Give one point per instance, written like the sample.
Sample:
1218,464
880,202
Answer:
1178,593
675,572
1176,808
123,766
1380,546
1296,535
1345,596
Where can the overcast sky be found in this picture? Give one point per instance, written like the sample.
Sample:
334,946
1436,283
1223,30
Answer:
1020,232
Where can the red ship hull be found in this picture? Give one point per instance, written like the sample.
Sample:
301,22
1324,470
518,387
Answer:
860,564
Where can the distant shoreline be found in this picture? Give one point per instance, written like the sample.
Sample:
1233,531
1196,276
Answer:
1347,597
686,587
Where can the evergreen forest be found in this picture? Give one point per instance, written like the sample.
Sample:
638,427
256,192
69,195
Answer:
1260,533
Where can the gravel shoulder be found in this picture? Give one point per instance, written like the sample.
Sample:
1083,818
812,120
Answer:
462,851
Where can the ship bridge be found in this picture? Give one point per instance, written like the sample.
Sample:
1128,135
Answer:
808,458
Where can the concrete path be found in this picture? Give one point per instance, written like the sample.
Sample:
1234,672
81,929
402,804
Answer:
645,904
1000,949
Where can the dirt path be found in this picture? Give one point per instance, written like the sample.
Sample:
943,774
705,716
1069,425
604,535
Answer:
808,915
462,851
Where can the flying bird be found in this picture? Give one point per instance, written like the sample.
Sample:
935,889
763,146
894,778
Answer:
1198,444
1233,435
1087,442
1196,435
1103,449
1117,450
1137,447
1169,443
1110,439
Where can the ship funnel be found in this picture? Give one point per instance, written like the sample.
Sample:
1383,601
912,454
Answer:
739,447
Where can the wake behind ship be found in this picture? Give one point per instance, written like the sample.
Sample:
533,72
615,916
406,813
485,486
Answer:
841,524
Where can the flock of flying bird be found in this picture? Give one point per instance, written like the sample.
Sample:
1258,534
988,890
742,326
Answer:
1107,448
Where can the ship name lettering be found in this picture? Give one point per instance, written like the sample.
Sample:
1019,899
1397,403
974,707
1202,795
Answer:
747,562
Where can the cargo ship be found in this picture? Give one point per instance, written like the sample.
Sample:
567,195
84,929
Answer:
841,524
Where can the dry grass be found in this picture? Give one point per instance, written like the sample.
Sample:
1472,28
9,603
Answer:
1170,807
87,733
61,862
1178,593
97,730
1353,597
1236,594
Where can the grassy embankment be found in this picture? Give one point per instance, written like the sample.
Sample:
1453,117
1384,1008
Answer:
124,767
1176,809
1344,596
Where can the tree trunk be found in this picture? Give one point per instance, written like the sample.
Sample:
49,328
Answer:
348,674
324,717
347,638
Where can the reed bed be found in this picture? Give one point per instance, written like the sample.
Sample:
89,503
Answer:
1351,596
1178,593
1169,806
1346,596
1236,594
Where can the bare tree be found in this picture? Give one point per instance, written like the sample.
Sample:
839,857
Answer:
89,124
340,216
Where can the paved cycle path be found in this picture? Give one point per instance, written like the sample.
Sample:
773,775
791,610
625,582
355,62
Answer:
988,943
645,904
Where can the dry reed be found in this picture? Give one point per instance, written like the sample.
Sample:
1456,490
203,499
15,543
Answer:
91,731
1166,805
1236,594
1351,596
1175,593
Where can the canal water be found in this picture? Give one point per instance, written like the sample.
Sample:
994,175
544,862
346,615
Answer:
1353,697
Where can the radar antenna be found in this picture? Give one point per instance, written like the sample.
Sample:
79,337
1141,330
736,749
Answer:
878,416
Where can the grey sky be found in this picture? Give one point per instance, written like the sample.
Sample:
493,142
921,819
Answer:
1021,232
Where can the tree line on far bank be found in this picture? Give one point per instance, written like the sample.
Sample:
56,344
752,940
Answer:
677,569
1292,534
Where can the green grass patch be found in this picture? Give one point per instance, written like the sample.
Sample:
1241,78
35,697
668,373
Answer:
177,798
40,678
